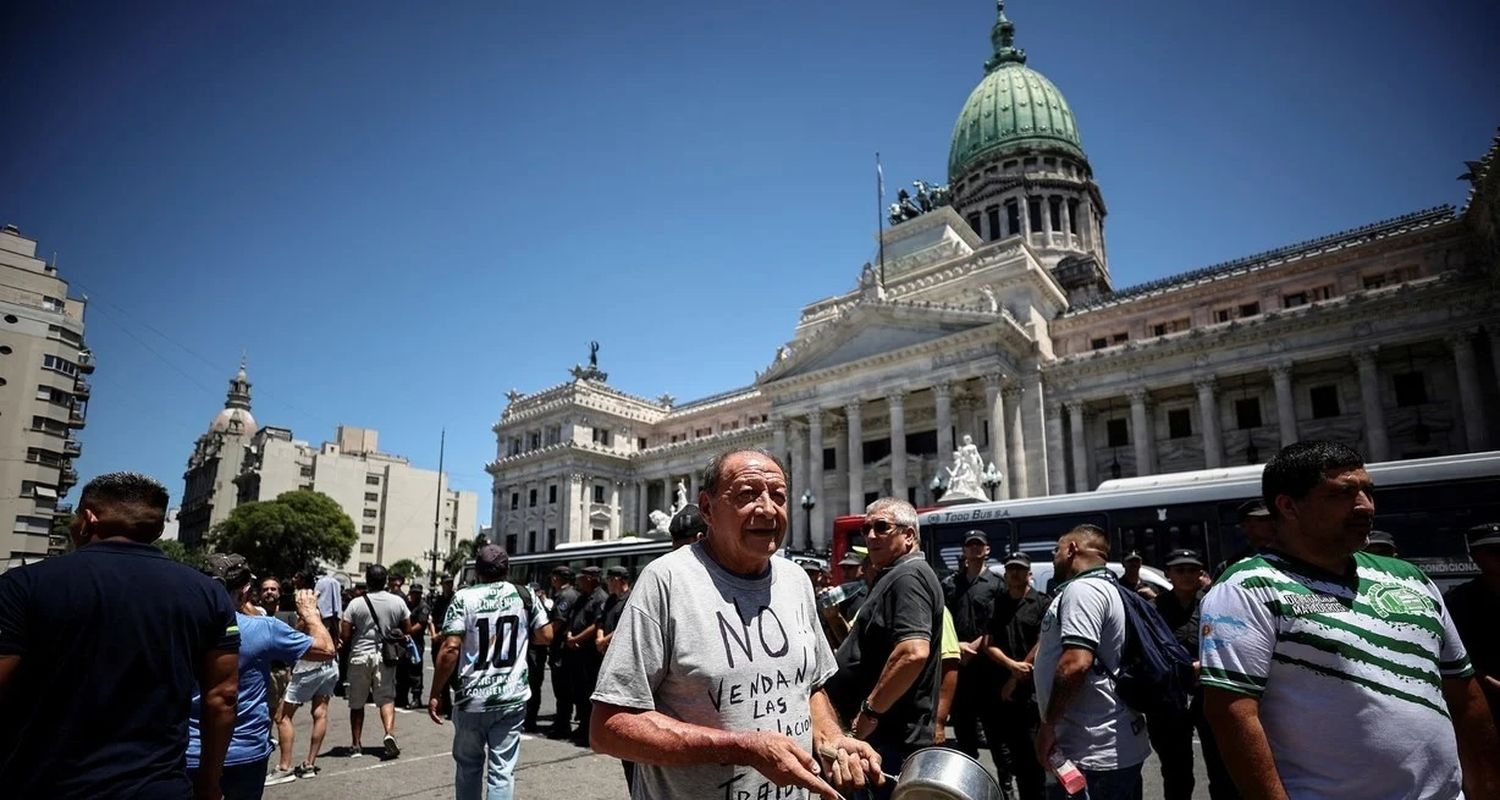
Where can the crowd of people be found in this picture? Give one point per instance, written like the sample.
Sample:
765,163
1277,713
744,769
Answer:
1314,664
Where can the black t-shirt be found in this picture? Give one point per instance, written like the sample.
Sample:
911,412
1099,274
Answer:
905,603
110,640
1014,628
609,617
1474,609
972,602
1182,621
586,611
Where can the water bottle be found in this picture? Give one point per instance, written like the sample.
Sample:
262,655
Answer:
1068,774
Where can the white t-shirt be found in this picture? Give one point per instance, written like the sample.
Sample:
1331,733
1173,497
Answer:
1098,731
1349,673
703,645
492,669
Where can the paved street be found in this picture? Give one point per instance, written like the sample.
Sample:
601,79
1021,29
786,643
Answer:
548,771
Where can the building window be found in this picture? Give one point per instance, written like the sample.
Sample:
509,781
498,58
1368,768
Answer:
875,450
699,433
371,513
921,444
1174,326
515,500
372,497
1375,281
992,217
59,364
1034,211
1012,217
1247,412
1098,344
1179,423
1011,164
598,534
551,539
1120,338
1054,209
1224,315
601,436
554,434
640,443
1119,433
1325,401
598,493
973,220
1323,292
534,440
366,547
551,494
1293,300
368,530
830,458
1250,309
1411,390
531,498
1028,162
531,541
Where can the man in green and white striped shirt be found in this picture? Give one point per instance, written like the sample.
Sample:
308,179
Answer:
1330,672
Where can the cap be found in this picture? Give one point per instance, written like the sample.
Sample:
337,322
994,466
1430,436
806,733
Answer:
491,557
687,522
1486,535
1178,558
1254,508
617,571
976,536
851,559
591,571
416,587
1380,537
562,571
227,568
1018,559
1133,555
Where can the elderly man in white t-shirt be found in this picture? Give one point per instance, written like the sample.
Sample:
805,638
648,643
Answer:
713,682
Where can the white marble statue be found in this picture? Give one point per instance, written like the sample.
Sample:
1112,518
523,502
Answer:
965,475
660,520
682,500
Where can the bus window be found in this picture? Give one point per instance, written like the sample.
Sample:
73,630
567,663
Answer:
1038,537
1156,532
1429,522
944,545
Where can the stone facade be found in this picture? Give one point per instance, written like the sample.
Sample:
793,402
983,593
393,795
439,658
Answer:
44,394
208,493
997,318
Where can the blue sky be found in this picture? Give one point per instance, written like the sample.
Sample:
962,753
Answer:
401,211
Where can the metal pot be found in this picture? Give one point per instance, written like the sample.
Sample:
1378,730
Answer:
937,773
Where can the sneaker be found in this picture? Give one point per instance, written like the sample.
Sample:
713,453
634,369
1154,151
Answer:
357,752
278,776
306,771
391,750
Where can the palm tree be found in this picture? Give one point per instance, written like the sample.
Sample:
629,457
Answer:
463,550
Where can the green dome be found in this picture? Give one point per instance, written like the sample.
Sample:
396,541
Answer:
1014,108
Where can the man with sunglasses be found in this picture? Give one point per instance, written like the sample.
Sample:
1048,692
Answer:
713,680
889,666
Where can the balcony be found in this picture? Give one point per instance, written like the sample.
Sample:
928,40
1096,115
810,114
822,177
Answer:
85,362
75,418
72,448
67,478
81,389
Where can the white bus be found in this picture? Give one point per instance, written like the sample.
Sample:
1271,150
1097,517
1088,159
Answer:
633,552
1427,504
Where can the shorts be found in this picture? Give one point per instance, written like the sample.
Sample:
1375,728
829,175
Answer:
317,682
367,674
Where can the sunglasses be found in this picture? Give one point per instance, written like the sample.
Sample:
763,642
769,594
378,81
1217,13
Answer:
880,527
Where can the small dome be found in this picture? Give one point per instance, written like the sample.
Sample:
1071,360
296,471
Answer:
234,420
1013,109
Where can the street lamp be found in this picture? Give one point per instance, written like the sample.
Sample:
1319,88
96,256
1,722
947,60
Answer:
991,479
808,501
939,487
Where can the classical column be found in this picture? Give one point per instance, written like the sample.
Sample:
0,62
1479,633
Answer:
1066,220
1025,216
668,494
897,404
1286,405
1057,481
1080,448
818,533
642,512
616,513
1141,433
1208,413
778,437
1378,446
942,395
692,485
1014,465
796,484
1468,390
839,494
856,468
965,405
994,404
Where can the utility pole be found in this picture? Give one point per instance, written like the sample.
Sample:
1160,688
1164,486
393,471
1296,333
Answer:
437,511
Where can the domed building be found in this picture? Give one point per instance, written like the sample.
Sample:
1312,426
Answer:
217,457
991,315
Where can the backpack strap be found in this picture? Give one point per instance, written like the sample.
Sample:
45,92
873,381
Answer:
380,629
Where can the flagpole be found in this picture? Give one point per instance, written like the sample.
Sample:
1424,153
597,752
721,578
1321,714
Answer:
880,215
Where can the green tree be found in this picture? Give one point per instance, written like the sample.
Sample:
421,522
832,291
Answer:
463,550
179,552
406,568
293,532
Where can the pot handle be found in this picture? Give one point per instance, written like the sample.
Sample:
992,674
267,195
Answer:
832,754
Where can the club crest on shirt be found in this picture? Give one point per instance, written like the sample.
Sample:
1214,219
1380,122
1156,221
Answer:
1393,598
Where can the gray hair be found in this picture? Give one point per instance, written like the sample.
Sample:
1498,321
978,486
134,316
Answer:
901,511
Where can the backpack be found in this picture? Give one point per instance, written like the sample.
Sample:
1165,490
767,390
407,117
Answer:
392,642
1156,671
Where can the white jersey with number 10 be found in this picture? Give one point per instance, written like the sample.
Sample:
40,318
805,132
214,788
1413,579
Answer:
492,671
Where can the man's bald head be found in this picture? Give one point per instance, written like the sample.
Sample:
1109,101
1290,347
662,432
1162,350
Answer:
117,504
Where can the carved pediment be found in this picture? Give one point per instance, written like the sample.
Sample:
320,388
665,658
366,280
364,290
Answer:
875,328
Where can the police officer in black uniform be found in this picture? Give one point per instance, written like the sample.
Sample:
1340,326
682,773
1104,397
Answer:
564,601
581,648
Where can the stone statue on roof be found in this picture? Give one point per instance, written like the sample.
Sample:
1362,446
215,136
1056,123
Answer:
682,500
659,521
